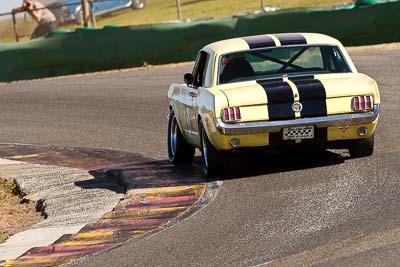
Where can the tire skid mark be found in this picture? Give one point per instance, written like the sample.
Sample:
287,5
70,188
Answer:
158,194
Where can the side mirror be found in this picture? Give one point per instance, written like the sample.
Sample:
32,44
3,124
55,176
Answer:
188,78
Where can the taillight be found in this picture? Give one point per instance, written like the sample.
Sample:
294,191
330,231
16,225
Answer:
361,103
231,114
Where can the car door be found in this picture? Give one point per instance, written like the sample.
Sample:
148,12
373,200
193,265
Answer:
190,93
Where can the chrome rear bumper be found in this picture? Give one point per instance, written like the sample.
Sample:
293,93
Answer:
277,126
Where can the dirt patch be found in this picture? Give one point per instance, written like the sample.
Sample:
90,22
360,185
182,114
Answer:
16,214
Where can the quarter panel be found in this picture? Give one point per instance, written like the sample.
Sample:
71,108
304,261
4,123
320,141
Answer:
209,105
176,95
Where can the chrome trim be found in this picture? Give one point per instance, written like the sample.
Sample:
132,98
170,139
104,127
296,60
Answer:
277,126
297,107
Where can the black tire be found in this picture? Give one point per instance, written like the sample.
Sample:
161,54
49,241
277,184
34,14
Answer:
179,152
212,159
138,4
362,147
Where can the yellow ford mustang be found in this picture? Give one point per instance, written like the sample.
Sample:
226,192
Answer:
271,90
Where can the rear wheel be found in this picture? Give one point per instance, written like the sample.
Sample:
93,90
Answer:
362,147
212,159
179,152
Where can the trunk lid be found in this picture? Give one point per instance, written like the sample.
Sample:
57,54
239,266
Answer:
319,95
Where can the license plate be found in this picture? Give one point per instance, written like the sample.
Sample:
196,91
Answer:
300,132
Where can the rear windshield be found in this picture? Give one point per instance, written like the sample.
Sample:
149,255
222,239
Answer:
275,62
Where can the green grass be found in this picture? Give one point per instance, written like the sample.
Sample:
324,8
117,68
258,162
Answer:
165,10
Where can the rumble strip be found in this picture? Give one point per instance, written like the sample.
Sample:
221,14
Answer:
158,196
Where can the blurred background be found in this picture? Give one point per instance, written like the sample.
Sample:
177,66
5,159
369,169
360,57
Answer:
137,12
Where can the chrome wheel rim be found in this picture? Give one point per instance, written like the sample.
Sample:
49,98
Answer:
204,149
173,135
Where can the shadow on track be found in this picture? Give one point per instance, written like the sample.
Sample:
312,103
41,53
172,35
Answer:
154,174
145,173
101,181
258,162
138,171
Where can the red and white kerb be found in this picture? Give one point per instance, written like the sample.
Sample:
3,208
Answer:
231,114
361,103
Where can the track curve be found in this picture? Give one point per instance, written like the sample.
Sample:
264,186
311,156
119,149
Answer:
299,207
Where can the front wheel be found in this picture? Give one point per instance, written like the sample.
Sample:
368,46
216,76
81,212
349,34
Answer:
362,147
179,152
212,159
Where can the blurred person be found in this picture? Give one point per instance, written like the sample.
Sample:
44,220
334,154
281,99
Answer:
43,16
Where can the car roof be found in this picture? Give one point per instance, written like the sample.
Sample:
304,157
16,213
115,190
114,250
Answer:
269,41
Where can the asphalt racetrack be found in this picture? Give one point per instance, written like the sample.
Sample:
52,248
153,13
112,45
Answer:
321,209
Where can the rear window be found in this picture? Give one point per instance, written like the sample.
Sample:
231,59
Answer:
275,62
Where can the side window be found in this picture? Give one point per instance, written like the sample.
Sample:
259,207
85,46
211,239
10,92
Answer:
199,71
